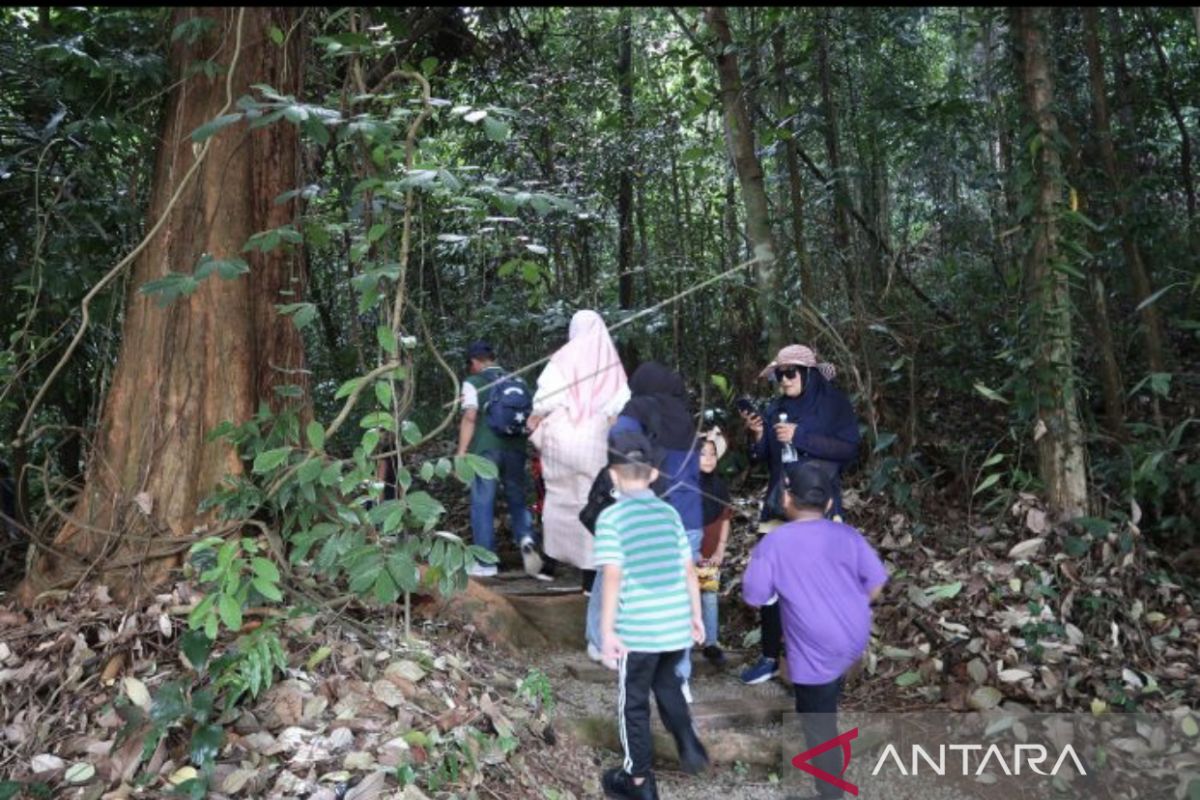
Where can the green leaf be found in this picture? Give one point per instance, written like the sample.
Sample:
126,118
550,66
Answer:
410,432
316,435
496,130
988,481
483,467
884,441
945,591
206,742
276,34
383,393
377,232
270,459
1149,301
265,569
212,126
908,679
426,472
347,388
196,647
988,393
387,338
463,470
231,612
267,589
993,461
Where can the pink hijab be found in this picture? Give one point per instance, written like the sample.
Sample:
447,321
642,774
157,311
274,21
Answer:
591,366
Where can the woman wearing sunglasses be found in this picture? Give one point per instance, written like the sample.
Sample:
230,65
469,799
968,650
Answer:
811,421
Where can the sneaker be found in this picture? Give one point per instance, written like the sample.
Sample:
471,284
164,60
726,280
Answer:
687,692
715,655
594,653
529,554
619,783
761,671
478,570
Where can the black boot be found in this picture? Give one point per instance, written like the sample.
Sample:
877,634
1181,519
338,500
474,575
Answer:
619,783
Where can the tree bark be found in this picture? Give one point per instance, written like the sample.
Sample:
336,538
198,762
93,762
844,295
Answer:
1058,434
1152,328
740,135
206,358
625,178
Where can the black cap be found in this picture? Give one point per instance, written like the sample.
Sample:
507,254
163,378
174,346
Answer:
808,484
480,349
632,447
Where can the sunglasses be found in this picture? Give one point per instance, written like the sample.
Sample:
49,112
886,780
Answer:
786,372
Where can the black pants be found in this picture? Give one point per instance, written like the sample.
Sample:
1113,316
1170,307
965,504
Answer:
817,705
641,673
772,630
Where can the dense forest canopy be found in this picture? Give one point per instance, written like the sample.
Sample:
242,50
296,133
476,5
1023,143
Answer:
245,252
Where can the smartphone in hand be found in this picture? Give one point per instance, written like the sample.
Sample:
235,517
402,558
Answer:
746,406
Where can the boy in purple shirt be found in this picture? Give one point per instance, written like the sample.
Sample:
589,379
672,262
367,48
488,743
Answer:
826,576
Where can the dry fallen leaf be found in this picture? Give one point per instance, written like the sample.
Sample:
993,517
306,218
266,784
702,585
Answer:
1025,549
46,762
138,694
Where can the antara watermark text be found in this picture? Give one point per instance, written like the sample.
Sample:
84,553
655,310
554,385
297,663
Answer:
1030,756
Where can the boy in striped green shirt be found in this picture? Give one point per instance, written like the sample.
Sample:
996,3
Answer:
651,614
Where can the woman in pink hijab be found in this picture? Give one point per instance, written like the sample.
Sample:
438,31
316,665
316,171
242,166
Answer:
579,393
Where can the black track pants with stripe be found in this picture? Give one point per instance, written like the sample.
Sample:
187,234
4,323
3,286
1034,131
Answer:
641,674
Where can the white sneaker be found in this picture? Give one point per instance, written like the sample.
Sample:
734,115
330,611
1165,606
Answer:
594,653
529,555
478,570
687,692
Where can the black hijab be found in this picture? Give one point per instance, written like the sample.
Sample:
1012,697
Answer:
659,402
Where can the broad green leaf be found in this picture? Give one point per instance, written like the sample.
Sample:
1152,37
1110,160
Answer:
196,647
231,612
267,589
270,459
377,232
495,129
908,679
212,126
316,435
266,569
387,338
206,742
410,432
383,393
483,467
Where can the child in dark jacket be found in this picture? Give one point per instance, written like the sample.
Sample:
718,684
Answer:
826,576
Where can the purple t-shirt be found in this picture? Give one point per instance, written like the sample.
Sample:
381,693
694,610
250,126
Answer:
823,572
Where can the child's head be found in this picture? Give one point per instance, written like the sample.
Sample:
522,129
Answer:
480,356
632,461
809,492
712,447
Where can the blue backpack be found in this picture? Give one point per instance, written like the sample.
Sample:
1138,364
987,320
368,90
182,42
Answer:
508,406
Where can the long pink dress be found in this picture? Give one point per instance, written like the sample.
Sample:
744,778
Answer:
582,387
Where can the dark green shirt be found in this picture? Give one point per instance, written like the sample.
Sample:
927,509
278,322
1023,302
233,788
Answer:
476,396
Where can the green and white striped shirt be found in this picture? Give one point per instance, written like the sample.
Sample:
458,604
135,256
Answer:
644,536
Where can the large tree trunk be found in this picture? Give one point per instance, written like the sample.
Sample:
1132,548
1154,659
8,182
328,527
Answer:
739,133
206,358
1058,433
1152,329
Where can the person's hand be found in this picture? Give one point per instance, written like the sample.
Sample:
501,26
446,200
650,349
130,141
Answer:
755,423
784,431
717,559
697,629
613,648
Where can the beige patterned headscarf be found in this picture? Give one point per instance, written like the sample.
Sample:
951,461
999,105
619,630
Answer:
803,356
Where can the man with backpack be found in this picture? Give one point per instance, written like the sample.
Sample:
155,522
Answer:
496,407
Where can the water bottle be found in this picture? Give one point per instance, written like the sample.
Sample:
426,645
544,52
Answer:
789,450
